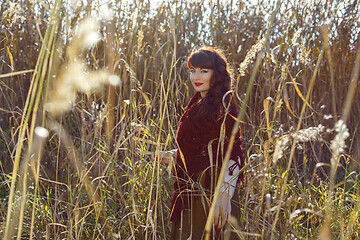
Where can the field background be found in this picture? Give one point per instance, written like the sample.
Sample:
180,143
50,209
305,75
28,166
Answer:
108,79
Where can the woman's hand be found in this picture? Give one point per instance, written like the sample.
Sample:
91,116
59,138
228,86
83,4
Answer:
165,157
222,210
227,189
162,157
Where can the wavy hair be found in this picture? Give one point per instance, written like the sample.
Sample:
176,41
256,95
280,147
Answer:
220,83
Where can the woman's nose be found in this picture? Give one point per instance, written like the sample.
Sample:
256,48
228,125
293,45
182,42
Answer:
195,75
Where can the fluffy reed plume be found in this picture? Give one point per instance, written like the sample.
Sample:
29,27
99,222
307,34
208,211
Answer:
280,146
75,76
250,56
303,135
106,13
309,134
338,143
304,55
296,36
13,13
273,57
337,147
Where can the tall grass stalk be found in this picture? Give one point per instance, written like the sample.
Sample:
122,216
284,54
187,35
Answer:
15,73
285,176
325,33
110,89
352,87
334,162
31,106
82,173
236,127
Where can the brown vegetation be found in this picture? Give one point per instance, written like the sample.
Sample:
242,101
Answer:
107,87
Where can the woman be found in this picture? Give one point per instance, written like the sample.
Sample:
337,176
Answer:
202,138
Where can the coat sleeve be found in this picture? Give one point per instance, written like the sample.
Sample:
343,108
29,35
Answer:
236,152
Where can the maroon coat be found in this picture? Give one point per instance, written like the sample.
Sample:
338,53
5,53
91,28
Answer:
193,137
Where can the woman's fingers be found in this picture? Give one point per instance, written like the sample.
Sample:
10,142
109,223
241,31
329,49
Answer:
223,218
165,157
220,217
222,210
161,157
145,152
216,216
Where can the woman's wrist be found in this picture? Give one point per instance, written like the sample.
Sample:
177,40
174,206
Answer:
230,180
228,189
173,153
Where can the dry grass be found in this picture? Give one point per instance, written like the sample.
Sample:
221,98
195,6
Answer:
109,86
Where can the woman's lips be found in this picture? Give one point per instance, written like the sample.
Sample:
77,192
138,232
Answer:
198,84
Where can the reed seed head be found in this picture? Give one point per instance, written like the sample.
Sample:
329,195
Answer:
88,32
250,55
281,145
106,13
75,76
13,14
296,37
41,132
329,116
338,143
114,80
309,134
304,55
303,135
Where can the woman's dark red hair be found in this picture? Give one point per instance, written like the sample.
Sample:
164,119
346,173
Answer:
221,81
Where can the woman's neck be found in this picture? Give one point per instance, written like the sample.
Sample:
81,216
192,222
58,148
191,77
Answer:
203,94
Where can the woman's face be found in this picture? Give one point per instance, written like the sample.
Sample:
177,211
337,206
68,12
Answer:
200,79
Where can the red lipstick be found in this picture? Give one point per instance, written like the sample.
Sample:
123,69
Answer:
198,84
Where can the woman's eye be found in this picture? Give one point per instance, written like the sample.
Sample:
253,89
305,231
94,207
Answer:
204,71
